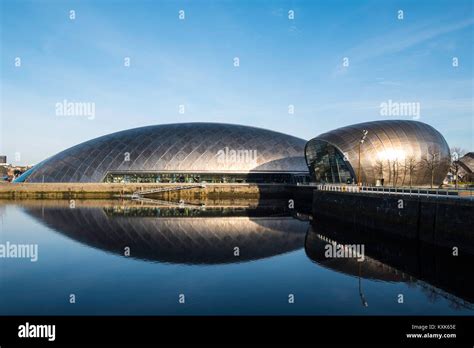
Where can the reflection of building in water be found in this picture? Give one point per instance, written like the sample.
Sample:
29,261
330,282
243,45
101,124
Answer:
369,268
435,270
178,235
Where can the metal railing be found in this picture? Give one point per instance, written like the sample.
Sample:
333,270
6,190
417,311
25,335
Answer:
460,193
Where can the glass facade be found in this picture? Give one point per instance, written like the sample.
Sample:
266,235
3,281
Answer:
205,178
326,164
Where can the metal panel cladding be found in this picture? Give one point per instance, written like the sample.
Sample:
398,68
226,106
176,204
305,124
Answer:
183,147
394,152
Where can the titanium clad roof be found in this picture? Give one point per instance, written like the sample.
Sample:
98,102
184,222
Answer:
390,142
184,147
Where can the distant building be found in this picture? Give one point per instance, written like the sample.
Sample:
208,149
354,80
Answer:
466,167
3,160
9,172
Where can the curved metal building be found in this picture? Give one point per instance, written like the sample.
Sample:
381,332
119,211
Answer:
389,152
185,152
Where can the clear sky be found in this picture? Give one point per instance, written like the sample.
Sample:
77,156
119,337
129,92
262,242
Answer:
190,62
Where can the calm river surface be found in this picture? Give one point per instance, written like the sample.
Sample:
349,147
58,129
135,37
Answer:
142,258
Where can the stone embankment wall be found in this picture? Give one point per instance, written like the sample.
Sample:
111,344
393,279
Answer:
105,190
440,221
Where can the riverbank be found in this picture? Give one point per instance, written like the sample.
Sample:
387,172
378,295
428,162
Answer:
108,191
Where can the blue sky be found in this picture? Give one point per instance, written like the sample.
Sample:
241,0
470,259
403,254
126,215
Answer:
190,62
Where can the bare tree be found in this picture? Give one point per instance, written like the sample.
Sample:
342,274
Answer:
404,167
433,161
410,167
395,171
389,166
456,154
379,167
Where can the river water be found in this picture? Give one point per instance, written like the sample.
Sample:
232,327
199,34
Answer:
222,258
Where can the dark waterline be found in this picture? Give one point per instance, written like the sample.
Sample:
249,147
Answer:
191,251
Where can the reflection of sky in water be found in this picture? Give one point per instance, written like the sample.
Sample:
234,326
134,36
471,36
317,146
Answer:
107,283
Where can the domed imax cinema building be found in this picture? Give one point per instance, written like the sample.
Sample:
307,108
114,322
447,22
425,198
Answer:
393,151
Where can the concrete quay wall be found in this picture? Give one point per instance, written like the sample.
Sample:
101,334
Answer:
439,221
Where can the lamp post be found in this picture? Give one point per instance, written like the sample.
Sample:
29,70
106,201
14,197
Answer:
362,139
361,294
